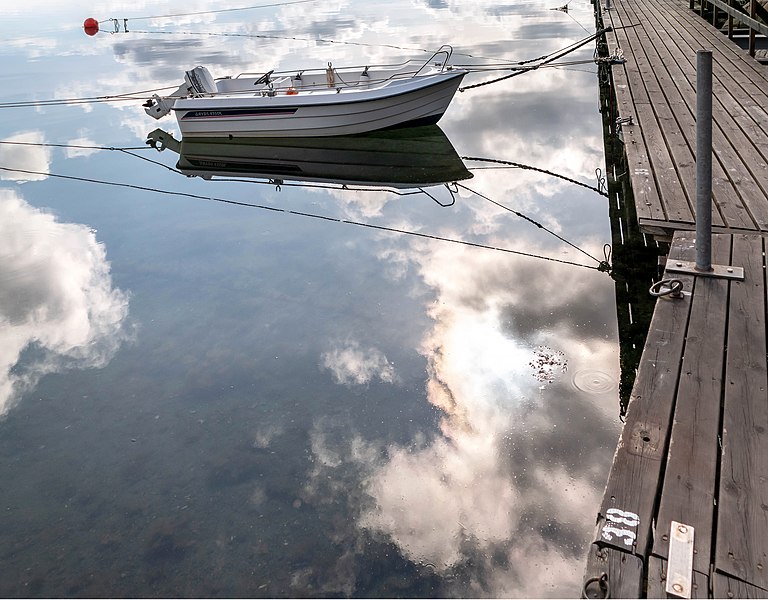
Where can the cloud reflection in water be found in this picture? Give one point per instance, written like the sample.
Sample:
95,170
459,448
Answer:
505,484
499,499
25,157
351,364
58,308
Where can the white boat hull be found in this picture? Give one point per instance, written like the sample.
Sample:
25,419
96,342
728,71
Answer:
409,101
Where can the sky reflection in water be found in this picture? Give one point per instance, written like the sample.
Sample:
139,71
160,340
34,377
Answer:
210,400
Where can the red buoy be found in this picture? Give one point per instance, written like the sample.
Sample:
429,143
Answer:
91,26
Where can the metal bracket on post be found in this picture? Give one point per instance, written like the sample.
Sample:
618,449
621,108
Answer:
680,560
716,271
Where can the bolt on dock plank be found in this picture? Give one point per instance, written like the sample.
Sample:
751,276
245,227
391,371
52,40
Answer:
694,448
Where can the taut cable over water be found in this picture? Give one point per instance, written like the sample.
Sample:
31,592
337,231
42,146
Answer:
603,265
302,214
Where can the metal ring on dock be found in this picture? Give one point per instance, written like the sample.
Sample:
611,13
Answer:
602,585
674,288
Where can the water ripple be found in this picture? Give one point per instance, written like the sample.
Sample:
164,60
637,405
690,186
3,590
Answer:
594,381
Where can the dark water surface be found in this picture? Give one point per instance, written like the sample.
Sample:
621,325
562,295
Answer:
202,399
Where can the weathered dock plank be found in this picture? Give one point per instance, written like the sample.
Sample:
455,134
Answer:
624,574
739,140
657,581
727,587
671,154
694,448
690,477
652,170
626,516
673,65
742,540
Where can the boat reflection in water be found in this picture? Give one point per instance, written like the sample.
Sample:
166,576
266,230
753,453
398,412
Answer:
406,158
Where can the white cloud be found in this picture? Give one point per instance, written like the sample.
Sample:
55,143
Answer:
353,365
26,156
81,146
57,302
430,501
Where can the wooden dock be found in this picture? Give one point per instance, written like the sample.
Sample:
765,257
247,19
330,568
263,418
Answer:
656,101
694,448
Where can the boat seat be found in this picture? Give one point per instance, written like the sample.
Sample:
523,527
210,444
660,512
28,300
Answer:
229,84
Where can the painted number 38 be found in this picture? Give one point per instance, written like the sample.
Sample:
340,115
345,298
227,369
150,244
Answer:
618,524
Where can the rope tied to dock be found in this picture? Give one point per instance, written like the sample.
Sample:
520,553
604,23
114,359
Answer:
617,58
605,265
518,70
599,189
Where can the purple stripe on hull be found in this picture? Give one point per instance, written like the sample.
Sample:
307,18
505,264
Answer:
226,113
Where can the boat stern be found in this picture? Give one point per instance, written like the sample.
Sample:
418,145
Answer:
157,106
198,82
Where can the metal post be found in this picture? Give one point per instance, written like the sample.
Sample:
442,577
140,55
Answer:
704,160
703,265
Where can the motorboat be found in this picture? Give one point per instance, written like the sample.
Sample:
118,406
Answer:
404,158
312,103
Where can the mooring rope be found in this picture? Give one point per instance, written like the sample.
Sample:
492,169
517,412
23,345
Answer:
517,165
211,12
518,67
551,58
130,96
287,211
602,264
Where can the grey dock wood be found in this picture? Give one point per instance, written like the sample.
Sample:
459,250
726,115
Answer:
742,541
656,88
694,447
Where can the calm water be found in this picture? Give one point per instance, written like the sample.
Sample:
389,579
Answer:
202,399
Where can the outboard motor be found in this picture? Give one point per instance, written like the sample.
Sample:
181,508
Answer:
200,82
197,82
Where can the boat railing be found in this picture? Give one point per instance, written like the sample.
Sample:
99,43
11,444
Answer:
398,69
444,50
249,74
370,75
